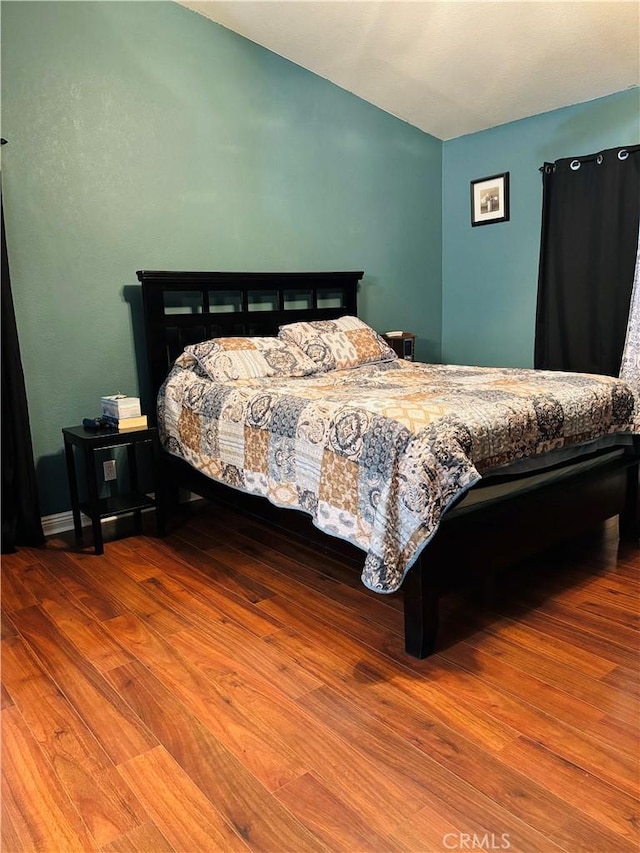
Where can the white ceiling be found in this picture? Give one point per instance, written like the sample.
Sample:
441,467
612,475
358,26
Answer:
450,67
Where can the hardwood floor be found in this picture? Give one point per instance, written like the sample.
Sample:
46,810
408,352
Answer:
230,688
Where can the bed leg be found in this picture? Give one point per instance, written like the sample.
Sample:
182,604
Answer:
167,503
629,519
420,611
164,508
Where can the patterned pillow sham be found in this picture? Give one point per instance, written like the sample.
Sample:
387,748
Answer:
223,359
338,344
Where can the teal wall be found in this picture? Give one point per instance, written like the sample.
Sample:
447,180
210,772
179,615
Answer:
490,272
142,135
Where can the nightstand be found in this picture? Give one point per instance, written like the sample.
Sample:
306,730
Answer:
403,345
96,508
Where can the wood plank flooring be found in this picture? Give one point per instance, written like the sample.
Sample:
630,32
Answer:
231,688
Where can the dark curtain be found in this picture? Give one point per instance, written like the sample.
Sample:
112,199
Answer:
590,216
20,507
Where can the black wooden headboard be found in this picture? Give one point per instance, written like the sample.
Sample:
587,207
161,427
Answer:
182,308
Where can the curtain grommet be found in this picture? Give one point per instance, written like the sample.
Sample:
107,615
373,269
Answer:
574,165
599,159
623,154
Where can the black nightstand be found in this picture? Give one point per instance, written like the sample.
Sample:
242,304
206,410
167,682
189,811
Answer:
404,345
95,507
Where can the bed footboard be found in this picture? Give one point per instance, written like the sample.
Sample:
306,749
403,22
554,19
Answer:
476,545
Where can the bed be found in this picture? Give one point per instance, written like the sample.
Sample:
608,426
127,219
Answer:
501,495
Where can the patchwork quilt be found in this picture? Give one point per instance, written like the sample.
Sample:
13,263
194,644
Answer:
377,453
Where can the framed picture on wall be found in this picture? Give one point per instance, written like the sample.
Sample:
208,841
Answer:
490,199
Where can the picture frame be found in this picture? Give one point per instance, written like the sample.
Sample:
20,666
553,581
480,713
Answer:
490,200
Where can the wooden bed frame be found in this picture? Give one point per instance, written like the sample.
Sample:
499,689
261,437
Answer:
181,308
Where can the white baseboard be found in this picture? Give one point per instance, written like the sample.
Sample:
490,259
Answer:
63,521
60,522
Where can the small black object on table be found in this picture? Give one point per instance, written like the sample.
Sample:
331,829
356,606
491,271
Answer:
95,507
